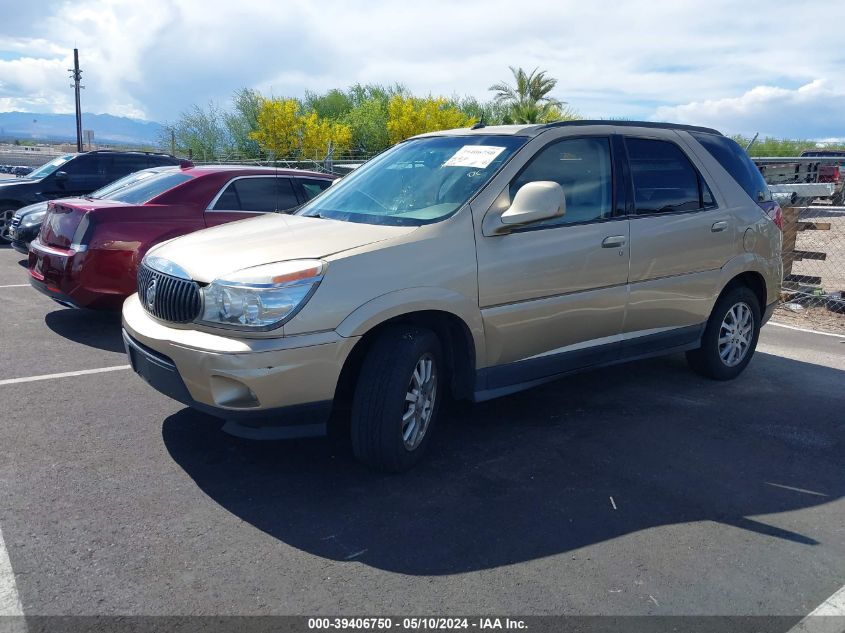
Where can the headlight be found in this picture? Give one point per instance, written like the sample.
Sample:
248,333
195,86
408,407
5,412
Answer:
263,297
31,219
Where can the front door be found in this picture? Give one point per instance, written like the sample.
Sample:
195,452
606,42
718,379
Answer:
552,294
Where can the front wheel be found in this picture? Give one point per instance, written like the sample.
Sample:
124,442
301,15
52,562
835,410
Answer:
6,216
397,398
730,336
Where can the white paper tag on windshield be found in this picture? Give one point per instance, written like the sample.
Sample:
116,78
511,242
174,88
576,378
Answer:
478,156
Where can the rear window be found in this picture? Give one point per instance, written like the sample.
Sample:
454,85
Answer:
145,190
735,161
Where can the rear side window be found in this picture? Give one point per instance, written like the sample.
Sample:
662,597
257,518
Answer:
124,165
735,161
582,166
313,186
665,180
257,195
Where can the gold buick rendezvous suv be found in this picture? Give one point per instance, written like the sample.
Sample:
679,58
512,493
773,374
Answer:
471,263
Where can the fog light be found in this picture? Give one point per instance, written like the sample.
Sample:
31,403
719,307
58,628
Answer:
228,392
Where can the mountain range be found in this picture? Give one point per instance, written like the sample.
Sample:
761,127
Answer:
107,128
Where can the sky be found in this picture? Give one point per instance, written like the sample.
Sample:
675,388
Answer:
773,67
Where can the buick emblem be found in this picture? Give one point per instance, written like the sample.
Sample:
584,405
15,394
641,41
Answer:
151,294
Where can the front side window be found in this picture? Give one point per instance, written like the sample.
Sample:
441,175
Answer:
260,194
664,179
48,168
417,182
582,167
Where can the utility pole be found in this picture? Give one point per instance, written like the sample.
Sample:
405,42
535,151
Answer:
76,75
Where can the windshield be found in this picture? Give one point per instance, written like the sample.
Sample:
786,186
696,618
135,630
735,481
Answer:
117,185
417,182
48,168
146,189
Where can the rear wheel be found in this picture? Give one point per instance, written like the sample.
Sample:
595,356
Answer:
397,398
730,336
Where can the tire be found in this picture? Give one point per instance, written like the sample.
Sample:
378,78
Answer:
401,360
722,359
6,215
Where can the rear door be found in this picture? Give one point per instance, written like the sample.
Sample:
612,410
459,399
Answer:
680,239
246,196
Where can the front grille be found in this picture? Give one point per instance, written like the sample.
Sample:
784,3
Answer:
16,222
171,299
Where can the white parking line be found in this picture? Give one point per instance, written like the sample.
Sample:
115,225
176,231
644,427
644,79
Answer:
803,329
16,286
10,603
819,619
67,374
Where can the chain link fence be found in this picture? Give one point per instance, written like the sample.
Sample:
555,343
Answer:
813,253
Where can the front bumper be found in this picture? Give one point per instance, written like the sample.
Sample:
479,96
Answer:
22,235
277,388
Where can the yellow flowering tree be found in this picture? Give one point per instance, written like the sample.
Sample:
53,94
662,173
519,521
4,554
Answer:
317,134
407,116
277,128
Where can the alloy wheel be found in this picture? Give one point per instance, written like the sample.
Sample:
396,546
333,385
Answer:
419,402
736,334
6,224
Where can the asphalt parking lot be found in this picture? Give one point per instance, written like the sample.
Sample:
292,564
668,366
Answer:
641,489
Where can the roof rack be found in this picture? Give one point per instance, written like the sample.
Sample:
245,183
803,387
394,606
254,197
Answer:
652,124
128,151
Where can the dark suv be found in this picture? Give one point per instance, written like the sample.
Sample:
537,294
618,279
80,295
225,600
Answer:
72,175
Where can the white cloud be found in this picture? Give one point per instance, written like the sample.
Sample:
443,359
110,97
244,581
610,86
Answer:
632,59
815,108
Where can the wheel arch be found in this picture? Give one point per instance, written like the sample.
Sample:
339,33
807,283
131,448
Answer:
456,339
752,280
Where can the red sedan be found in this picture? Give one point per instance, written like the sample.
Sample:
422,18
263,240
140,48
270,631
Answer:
88,250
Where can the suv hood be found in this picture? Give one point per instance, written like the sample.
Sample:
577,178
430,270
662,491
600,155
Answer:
10,184
211,253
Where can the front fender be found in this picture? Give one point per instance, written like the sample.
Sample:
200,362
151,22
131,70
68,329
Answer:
419,299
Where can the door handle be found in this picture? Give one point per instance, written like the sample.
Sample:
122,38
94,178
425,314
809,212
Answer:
719,226
613,241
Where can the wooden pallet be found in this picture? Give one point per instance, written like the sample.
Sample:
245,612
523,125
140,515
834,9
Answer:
791,228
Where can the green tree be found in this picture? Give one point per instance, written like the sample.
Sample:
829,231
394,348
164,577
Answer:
243,121
528,100
334,104
201,132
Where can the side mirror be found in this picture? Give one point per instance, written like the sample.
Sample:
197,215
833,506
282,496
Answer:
535,201
60,176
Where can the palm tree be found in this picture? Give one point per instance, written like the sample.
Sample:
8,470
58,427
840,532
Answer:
528,100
